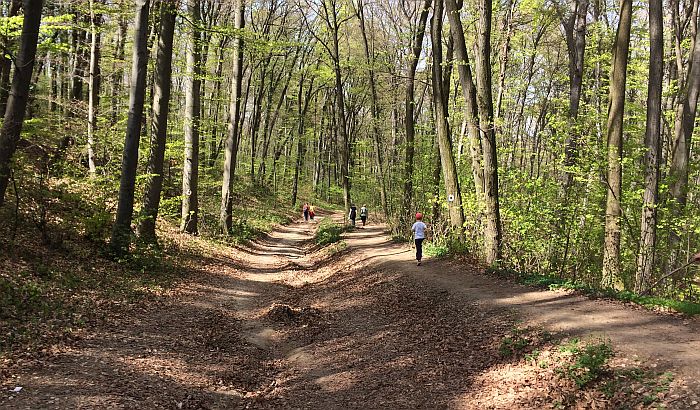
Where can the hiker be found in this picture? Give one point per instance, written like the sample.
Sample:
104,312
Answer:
312,212
305,210
353,214
363,214
418,229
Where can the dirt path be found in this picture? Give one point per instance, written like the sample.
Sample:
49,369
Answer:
282,324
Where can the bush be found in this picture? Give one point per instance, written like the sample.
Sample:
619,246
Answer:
328,232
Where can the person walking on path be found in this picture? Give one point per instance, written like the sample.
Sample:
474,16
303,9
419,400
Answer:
305,211
312,212
353,214
418,229
363,214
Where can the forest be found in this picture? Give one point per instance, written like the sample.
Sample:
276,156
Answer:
550,139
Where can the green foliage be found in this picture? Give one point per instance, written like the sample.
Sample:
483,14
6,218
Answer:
436,250
587,360
328,232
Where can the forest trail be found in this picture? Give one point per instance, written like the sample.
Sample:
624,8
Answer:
283,324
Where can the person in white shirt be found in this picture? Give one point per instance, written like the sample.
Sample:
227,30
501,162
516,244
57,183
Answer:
419,229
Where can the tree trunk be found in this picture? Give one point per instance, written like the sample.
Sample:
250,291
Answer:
613,211
376,132
680,147
575,35
647,241
121,231
471,113
94,85
410,110
492,232
19,92
190,172
6,63
231,151
444,137
159,127
119,73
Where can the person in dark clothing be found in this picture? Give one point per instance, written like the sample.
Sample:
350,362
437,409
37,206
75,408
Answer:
353,214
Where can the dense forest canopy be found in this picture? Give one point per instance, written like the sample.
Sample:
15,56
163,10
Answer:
550,136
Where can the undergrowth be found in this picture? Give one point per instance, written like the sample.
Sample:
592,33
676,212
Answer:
650,302
586,368
329,232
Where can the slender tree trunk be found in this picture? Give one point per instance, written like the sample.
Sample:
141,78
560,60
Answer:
231,150
410,110
647,241
680,147
492,232
613,210
119,73
94,85
125,208
159,128
444,137
471,113
575,35
19,91
190,172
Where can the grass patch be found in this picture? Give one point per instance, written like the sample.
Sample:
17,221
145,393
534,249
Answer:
556,283
587,361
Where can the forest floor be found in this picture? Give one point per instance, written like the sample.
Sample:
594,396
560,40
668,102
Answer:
284,323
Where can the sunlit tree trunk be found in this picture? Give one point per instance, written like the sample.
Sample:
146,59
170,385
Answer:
410,109
471,113
190,172
647,241
492,231
444,137
613,210
231,146
680,147
94,85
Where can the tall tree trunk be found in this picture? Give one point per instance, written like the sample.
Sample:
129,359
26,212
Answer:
575,34
231,150
19,91
94,85
121,231
345,149
119,73
190,172
410,109
6,63
613,210
376,132
492,232
647,241
159,127
680,146
471,113
444,137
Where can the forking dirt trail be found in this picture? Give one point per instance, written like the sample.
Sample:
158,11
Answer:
281,323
